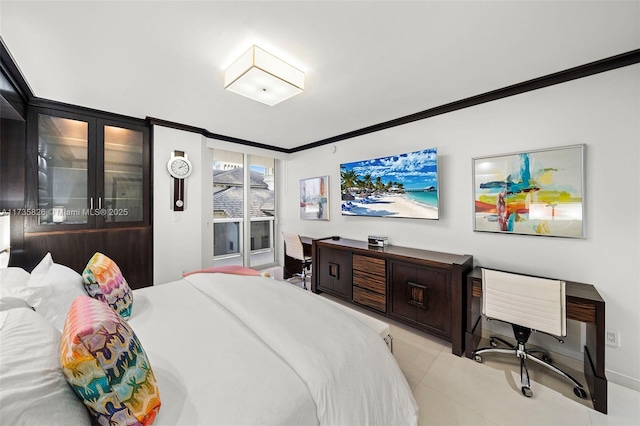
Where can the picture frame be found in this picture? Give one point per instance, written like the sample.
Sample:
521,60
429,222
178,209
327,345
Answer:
396,186
537,192
314,198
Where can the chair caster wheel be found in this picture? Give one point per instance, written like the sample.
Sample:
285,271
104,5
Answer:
580,393
526,391
477,358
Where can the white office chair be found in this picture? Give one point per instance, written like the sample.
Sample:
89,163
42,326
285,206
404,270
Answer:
293,248
528,304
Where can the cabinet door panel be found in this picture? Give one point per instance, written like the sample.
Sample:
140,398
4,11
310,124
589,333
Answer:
401,275
64,176
123,174
335,274
437,300
324,266
342,285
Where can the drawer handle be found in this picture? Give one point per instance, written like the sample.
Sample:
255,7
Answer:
417,295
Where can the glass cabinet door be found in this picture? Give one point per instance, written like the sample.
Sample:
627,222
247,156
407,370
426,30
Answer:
91,172
63,172
123,175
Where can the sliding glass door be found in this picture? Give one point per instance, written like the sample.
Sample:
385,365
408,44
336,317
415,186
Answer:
243,209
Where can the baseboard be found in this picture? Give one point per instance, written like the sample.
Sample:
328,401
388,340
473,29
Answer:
623,380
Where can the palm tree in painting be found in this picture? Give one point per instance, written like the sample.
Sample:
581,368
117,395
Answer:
379,185
368,183
349,179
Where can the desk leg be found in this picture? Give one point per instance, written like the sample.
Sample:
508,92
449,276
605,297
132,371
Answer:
472,338
594,361
473,329
597,385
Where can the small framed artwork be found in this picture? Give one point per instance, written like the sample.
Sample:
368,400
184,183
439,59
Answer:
314,198
538,192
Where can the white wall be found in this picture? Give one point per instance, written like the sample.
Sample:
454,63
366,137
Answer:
601,111
179,243
183,241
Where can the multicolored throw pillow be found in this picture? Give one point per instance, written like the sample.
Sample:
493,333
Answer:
105,364
104,281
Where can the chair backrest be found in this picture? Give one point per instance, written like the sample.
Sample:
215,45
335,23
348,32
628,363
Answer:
293,246
536,303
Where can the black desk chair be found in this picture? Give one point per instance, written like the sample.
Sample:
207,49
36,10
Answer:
528,304
293,248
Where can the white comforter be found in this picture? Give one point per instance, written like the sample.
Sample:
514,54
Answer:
350,374
211,369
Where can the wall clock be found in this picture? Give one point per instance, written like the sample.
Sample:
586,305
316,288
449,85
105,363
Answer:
179,168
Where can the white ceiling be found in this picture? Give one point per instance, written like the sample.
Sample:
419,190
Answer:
366,62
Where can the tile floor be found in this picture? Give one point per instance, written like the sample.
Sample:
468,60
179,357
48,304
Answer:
453,390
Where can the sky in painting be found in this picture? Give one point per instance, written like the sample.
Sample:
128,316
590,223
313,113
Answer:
418,169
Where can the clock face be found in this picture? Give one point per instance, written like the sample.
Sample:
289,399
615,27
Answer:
179,167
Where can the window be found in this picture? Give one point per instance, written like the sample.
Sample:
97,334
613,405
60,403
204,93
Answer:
236,226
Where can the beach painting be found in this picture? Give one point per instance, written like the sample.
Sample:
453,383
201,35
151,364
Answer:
534,193
403,186
314,198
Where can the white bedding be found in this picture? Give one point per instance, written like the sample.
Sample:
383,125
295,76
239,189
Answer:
210,368
229,349
351,375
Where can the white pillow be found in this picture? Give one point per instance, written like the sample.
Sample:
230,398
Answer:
41,269
34,390
13,277
60,284
40,299
65,284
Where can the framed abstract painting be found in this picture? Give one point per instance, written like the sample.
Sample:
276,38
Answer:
539,192
314,198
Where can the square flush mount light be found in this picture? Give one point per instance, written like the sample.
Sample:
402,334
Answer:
263,77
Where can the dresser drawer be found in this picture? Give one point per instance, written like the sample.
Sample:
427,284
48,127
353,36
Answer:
372,265
369,298
369,281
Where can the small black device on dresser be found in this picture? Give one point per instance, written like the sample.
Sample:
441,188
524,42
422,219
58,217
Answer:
377,241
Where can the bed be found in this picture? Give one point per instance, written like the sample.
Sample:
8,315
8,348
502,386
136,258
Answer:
236,349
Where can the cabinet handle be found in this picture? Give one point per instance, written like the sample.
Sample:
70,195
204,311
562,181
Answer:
100,203
417,295
334,270
91,203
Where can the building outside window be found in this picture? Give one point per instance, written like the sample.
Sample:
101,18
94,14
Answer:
233,189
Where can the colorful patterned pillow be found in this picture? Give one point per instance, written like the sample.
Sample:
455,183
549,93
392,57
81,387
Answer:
105,364
104,281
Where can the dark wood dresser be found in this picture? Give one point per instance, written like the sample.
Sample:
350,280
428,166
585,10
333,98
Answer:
421,288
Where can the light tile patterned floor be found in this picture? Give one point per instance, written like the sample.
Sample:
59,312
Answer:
452,390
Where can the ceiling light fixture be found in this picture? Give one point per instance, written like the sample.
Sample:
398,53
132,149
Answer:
262,77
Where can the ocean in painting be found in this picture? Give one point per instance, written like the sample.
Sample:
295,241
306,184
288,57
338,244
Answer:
429,198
